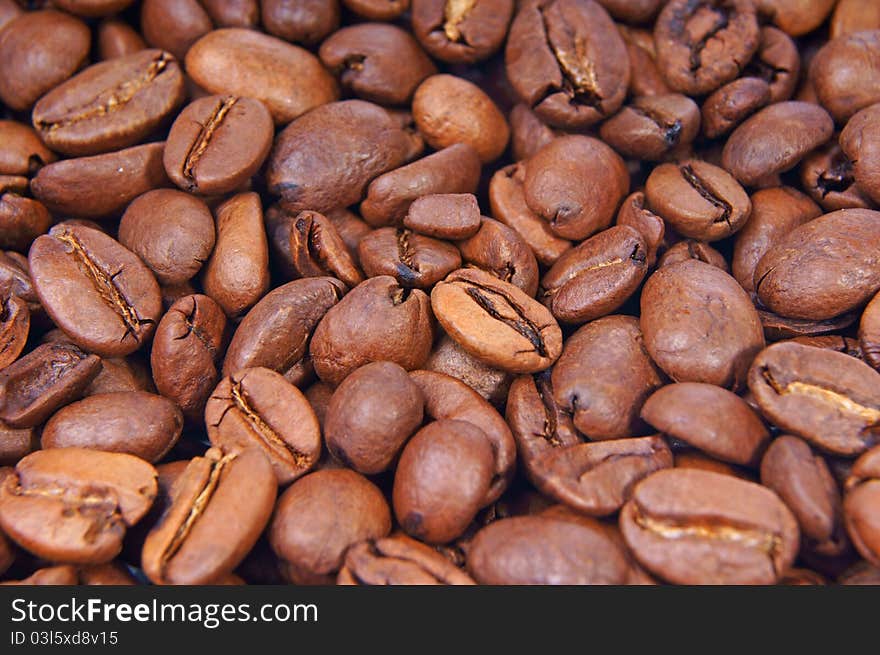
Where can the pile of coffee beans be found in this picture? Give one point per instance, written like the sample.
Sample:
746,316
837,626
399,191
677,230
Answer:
440,291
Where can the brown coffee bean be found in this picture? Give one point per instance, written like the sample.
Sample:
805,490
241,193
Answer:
204,534
51,575
398,560
777,62
854,16
692,249
22,153
303,21
822,269
110,105
774,140
796,17
697,460
827,175
596,277
113,573
122,374
117,39
233,13
861,503
102,185
651,127
779,327
496,322
186,352
217,143
412,259
828,398
307,178
702,45
697,527
172,232
15,444
455,169
15,324
732,104
461,31
645,78
319,517
699,325
377,62
429,503
528,133
869,333
449,110
96,290
74,505
635,213
91,8
451,216
15,278
244,63
502,252
21,219
275,333
804,483
698,199
845,74
544,550
9,9
832,342
858,141
709,418
32,63
174,25
575,183
566,60
507,199
237,274
377,9
133,422
317,249
450,358
377,320
775,213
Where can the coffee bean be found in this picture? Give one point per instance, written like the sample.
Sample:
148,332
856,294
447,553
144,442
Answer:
204,533
444,216
117,39
377,9
697,527
869,333
15,323
15,443
502,252
854,16
857,141
828,398
779,327
732,104
21,219
795,16
844,74
412,259
777,62
317,249
174,25
645,78
566,60
461,31
23,153
91,8
697,250
827,175
217,143
860,505
651,127
450,358
233,13
308,21
74,505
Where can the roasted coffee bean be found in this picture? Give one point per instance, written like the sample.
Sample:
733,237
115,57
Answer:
854,16
698,199
796,17
502,252
692,249
317,249
697,527
709,418
377,320
528,550
775,213
449,110
38,383
91,8
822,269
777,62
575,183
15,323
186,352
596,277
398,560
412,259
22,153
319,517
869,333
635,213
233,13
693,459
9,9
96,290
827,175
444,216
257,408
833,342
275,333
99,186
174,25
15,443
651,127
377,62
861,503
774,140
828,398
74,505
699,325
645,78
845,74
305,21
528,133
217,143
859,142
364,142
172,232
779,327
860,574
377,9
702,45
732,104
237,274
133,422
507,199
245,63
117,39
803,481
122,374
51,575
32,62
566,60
110,105
450,358
22,219
496,322
461,31
15,278
206,531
